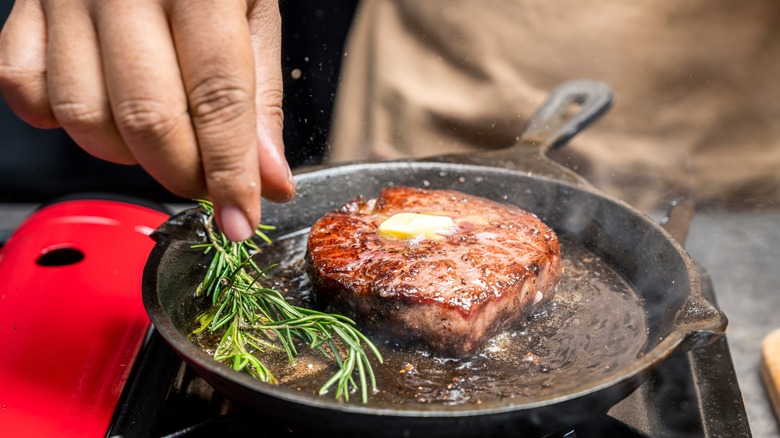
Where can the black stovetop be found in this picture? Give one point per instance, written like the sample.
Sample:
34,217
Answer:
695,394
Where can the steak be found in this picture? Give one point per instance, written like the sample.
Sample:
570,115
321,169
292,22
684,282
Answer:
451,291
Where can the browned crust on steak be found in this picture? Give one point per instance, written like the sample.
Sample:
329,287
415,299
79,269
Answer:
451,294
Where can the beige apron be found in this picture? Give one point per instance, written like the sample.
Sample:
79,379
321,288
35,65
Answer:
697,86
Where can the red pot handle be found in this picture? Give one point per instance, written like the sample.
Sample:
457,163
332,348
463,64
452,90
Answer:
71,315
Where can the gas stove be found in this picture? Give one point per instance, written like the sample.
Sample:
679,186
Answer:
695,394
689,395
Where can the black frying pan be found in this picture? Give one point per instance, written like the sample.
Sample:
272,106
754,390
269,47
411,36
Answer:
662,280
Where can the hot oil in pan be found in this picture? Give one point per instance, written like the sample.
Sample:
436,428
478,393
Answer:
594,327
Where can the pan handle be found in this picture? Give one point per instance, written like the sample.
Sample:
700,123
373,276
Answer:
699,320
570,107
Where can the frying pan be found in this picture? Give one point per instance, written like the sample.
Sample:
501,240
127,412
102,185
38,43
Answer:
662,275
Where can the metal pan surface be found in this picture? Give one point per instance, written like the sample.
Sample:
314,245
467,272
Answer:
630,297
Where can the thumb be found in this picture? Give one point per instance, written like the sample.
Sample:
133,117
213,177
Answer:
265,29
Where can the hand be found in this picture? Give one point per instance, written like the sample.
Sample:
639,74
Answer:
191,90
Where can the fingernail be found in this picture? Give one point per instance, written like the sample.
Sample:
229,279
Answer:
235,224
291,179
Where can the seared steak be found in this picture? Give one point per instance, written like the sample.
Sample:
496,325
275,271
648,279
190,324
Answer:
451,290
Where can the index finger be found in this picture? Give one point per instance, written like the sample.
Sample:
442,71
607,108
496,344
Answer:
214,49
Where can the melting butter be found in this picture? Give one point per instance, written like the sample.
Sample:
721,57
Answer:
415,225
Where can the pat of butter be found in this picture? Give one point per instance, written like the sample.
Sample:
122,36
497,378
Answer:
415,225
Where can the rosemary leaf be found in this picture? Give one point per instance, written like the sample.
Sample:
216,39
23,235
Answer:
253,318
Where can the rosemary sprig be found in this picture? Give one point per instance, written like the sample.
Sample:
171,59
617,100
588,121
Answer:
254,318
